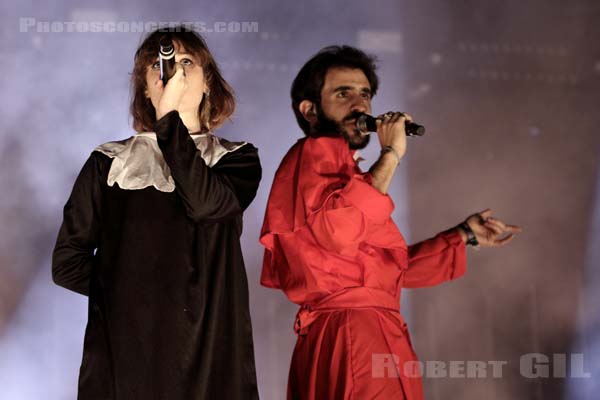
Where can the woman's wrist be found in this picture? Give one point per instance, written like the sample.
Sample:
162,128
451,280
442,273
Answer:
162,113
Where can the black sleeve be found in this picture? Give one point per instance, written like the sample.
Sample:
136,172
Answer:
73,256
208,194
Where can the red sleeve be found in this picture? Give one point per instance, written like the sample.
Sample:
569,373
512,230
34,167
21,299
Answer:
340,203
342,222
436,260
318,187
321,199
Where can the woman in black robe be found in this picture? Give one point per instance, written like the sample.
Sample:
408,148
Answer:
151,234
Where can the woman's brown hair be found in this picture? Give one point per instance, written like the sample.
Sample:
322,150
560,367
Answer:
216,106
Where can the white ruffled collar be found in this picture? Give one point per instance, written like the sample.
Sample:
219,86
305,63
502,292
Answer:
138,162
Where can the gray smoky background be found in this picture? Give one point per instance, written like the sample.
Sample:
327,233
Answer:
509,92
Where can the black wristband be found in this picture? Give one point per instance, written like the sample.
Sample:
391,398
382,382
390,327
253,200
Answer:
471,238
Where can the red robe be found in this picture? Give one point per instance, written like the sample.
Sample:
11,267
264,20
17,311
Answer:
333,248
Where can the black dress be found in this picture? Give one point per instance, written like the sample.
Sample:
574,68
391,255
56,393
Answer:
168,294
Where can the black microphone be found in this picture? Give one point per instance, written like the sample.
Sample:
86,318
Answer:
166,56
366,124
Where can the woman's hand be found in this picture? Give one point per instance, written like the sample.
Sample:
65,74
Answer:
488,230
172,94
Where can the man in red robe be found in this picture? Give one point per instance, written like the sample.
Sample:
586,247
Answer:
333,248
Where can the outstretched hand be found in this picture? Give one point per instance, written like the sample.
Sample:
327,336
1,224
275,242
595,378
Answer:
489,230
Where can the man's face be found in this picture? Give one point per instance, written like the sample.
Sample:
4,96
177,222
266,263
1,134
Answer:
346,92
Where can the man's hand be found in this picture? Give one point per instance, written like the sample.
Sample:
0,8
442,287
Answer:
172,93
488,230
391,131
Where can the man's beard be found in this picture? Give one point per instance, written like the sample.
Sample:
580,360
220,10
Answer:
327,126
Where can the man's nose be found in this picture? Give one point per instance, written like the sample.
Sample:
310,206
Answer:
361,106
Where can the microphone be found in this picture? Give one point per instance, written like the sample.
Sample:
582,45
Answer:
365,123
166,56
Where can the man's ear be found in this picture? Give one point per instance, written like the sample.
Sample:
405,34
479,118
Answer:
308,109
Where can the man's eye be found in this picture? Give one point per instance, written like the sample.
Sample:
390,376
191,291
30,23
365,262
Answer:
342,95
366,95
186,62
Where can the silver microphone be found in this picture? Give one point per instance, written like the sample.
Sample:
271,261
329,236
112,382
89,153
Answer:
166,56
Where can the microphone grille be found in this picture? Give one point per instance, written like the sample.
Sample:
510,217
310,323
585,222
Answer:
361,123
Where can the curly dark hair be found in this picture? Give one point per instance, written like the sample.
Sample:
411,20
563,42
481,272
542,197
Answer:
309,81
212,111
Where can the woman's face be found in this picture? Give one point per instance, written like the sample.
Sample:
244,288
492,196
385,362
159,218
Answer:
196,84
